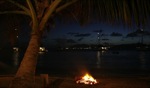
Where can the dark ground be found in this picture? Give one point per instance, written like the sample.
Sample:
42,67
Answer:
106,81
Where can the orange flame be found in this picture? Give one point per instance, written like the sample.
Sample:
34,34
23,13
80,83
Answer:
87,79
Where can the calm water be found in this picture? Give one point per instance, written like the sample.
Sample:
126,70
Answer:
75,62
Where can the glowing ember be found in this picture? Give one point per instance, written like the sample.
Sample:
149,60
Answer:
87,79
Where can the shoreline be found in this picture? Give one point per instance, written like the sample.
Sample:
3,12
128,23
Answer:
105,81
96,72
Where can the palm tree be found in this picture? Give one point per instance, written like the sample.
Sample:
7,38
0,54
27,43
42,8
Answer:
41,12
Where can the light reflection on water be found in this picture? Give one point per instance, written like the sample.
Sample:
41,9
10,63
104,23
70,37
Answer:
142,59
99,54
16,58
89,59
98,59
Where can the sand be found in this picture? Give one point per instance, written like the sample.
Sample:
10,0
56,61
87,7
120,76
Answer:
104,82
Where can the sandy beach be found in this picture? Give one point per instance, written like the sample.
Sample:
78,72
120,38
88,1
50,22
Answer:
104,82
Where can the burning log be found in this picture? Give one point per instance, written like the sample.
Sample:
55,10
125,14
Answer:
87,79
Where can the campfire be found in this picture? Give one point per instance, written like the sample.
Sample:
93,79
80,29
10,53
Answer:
87,79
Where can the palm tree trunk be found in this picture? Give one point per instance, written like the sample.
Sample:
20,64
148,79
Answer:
25,75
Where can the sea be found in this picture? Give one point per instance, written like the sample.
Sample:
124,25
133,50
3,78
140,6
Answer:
71,63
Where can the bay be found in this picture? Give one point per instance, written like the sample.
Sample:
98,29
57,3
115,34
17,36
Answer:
78,62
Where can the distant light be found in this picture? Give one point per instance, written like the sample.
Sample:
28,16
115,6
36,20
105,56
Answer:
67,48
142,30
16,29
41,49
104,48
16,49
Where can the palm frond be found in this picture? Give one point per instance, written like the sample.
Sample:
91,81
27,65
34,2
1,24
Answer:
19,5
48,13
127,12
65,5
14,12
33,15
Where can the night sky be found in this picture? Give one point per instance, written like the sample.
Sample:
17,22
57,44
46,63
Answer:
76,34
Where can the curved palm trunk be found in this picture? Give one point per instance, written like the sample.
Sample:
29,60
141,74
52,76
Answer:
26,72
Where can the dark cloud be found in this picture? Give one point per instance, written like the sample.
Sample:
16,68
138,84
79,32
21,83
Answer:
82,35
101,33
115,34
60,40
98,31
63,40
80,39
132,35
72,33
104,34
71,41
105,39
138,32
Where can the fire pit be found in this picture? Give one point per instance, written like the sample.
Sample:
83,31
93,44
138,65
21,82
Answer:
87,79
